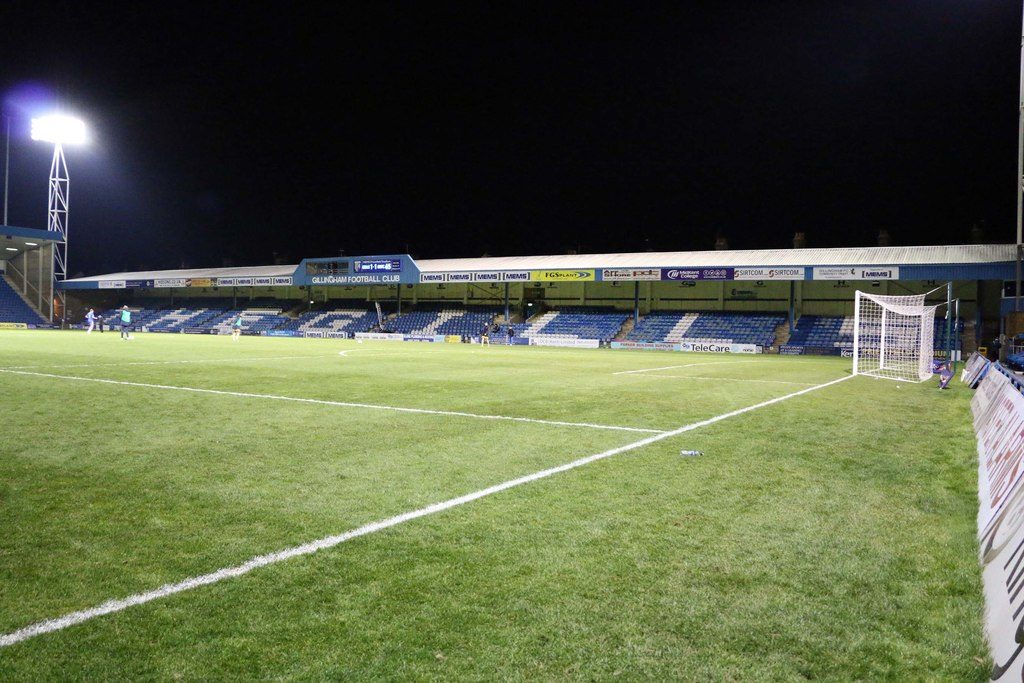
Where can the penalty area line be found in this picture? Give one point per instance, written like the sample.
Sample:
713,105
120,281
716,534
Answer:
118,605
325,402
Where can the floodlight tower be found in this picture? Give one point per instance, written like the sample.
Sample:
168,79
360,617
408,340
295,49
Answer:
59,130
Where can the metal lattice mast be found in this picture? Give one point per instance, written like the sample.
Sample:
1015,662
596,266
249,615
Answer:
58,130
57,217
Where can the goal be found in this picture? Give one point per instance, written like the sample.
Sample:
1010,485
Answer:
893,337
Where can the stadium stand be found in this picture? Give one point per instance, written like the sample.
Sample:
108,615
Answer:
446,320
467,323
13,308
141,316
341,322
662,326
500,336
720,328
184,318
831,332
940,338
734,328
575,323
825,332
254,320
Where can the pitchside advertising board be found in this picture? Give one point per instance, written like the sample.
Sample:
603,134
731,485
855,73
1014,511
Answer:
645,346
974,370
701,347
571,343
791,350
998,408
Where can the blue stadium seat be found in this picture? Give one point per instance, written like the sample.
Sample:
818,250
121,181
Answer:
13,308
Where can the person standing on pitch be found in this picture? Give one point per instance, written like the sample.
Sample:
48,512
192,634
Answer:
90,318
126,322
484,336
236,328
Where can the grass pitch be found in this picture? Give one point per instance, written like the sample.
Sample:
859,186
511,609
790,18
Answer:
827,536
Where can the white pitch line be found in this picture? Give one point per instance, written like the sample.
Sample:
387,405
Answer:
111,606
198,360
731,379
688,365
343,404
172,362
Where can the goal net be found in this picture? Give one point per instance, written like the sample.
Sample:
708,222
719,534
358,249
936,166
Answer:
892,337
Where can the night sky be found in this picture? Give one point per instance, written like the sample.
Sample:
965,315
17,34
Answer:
449,129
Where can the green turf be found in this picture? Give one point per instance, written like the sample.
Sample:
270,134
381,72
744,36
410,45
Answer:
828,536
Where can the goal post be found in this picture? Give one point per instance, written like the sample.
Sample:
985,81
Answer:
893,336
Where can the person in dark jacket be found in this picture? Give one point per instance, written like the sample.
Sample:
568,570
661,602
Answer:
994,348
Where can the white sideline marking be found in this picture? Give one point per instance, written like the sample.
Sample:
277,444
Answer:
172,362
111,606
343,404
199,360
688,365
732,379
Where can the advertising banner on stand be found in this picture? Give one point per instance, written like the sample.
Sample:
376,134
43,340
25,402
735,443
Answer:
696,273
630,274
562,275
768,274
857,273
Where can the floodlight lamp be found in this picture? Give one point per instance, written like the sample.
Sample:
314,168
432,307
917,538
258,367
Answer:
60,130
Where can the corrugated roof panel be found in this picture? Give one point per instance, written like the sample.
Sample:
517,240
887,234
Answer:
237,271
773,258
880,256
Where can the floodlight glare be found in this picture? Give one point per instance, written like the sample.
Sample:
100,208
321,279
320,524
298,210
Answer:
60,130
